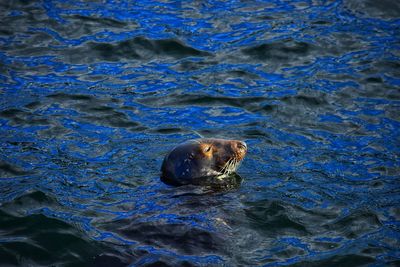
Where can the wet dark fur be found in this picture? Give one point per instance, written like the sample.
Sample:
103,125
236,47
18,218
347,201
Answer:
196,161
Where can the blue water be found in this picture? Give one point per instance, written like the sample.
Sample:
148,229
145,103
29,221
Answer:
93,95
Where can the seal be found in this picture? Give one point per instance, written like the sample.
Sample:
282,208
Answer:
199,160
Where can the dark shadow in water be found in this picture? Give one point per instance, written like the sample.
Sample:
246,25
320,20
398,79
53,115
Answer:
347,260
36,240
175,100
282,50
139,48
23,117
272,218
211,184
385,9
97,111
9,170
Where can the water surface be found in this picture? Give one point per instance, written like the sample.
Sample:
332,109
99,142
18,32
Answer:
93,95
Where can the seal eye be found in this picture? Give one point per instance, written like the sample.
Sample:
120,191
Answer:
207,149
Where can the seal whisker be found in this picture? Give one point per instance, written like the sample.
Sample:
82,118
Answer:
226,169
231,165
235,164
223,170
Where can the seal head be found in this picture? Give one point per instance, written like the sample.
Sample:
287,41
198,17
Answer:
198,160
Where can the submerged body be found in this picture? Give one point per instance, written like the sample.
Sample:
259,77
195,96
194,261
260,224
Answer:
198,160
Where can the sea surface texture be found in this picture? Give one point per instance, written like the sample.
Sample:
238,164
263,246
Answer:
93,94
